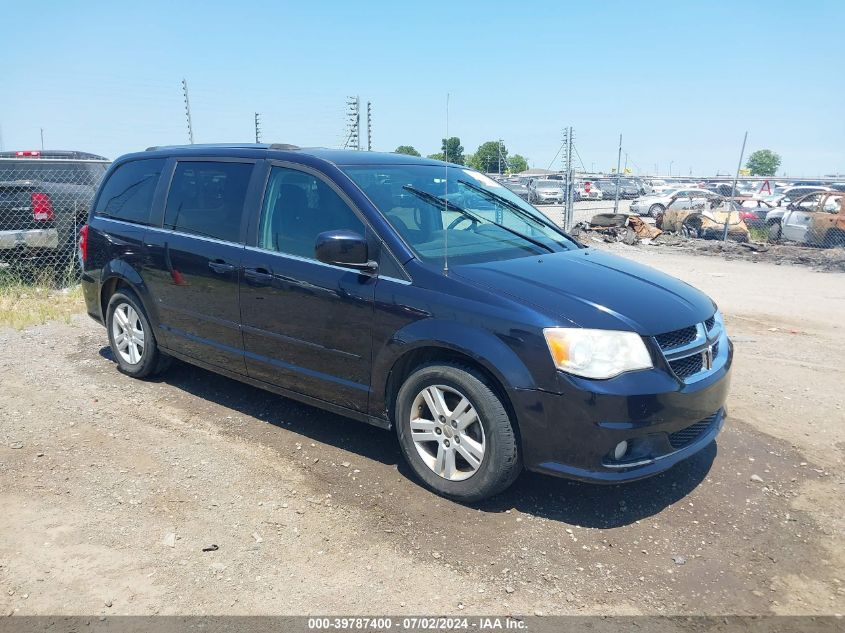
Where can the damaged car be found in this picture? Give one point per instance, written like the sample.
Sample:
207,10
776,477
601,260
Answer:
817,219
704,222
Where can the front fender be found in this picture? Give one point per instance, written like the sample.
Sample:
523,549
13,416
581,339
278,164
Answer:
483,346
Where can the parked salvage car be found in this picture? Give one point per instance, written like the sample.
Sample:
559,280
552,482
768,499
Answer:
817,219
654,205
587,190
385,288
753,211
703,222
547,191
784,196
44,199
518,188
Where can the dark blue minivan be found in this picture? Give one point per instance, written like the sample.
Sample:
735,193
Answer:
411,294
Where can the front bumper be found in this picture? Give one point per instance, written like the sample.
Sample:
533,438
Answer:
573,433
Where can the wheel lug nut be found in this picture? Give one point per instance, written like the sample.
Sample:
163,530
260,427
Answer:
446,443
438,431
454,424
442,419
457,440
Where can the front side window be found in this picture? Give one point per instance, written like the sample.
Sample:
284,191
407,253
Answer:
297,208
207,198
477,219
128,193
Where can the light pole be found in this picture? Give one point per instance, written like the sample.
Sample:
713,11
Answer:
671,162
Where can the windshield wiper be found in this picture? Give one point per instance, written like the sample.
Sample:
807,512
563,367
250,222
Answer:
511,205
438,201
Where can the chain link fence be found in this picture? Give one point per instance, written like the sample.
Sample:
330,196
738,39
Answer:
813,221
43,204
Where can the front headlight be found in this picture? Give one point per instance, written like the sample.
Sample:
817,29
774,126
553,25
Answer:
596,353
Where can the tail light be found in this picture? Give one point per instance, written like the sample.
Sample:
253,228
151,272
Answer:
748,215
42,207
587,186
29,152
83,243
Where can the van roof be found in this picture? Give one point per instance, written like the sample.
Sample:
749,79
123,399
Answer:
285,151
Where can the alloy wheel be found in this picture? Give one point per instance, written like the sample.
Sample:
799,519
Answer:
447,432
128,333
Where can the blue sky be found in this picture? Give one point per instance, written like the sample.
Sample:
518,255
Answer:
681,81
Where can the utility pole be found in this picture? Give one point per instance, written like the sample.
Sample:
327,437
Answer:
353,123
257,127
369,126
618,166
568,141
42,139
733,188
2,147
188,111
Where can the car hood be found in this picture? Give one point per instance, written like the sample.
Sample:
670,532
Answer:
590,288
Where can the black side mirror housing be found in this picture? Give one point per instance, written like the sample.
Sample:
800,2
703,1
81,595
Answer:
344,248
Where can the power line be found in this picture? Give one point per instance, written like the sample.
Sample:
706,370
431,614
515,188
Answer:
579,158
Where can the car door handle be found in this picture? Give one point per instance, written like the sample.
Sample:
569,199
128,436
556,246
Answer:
219,266
258,276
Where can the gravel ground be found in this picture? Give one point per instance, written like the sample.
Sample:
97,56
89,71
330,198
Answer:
113,488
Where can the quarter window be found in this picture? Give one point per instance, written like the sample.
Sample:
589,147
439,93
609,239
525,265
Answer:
297,208
128,193
207,198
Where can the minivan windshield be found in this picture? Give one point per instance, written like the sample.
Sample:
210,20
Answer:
480,220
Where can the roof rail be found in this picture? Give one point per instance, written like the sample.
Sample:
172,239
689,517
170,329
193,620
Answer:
226,145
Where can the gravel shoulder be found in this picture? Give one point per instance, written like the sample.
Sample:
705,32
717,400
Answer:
111,488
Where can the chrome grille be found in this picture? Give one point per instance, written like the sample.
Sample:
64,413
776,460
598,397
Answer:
710,323
677,338
685,437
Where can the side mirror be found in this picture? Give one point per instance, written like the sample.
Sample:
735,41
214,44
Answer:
344,248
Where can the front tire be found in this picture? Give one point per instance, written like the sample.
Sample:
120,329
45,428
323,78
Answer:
655,210
455,433
131,336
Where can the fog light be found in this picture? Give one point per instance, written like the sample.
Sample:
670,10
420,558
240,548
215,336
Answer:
620,450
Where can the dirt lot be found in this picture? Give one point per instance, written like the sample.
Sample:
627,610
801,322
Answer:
111,488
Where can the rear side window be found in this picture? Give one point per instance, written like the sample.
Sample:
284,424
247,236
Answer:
207,198
128,193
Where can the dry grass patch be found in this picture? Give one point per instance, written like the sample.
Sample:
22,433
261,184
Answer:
23,305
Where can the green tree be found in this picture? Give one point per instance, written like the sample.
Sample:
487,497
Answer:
517,163
491,156
406,149
452,149
763,162
437,156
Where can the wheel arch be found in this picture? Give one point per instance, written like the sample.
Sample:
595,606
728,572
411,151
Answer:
426,354
118,274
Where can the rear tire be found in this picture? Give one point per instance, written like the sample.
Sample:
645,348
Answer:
460,440
774,232
131,336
